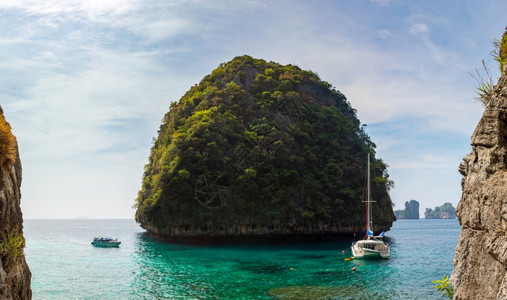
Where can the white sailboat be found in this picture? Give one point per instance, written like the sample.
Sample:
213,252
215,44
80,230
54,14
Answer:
370,246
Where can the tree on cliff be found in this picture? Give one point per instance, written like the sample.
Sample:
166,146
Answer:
263,144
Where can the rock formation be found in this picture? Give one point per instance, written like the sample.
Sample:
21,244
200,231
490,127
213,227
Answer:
445,211
411,211
14,273
261,150
480,262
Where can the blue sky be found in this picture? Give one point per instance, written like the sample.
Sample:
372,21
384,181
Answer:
85,84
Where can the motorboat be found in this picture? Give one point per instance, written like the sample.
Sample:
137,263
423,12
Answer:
105,242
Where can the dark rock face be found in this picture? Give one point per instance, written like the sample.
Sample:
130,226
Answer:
14,273
411,211
261,150
480,262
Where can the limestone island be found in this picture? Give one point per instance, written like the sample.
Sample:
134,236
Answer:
445,211
261,151
411,211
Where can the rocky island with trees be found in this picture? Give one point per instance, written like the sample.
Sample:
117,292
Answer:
411,210
445,211
261,150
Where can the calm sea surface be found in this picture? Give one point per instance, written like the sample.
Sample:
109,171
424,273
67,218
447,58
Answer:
65,265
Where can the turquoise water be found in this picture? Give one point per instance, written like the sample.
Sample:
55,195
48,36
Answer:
65,266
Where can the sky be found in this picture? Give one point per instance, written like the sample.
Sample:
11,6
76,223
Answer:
85,84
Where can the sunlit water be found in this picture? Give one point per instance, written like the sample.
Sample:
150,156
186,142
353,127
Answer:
65,265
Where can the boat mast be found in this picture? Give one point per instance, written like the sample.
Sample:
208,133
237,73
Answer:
368,200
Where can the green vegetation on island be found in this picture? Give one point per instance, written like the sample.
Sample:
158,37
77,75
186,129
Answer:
8,148
411,211
445,211
261,148
499,51
485,86
11,249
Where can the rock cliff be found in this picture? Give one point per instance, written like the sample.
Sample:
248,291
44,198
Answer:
260,150
14,273
480,262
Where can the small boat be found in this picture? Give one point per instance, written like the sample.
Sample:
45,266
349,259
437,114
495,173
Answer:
105,242
370,246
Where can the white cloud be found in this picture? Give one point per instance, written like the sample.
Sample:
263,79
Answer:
92,8
115,90
381,2
46,55
418,28
384,33
426,161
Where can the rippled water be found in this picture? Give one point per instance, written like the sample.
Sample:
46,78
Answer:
65,266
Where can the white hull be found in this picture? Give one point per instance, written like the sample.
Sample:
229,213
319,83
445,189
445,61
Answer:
370,248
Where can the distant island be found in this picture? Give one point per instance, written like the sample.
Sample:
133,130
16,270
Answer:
411,211
445,211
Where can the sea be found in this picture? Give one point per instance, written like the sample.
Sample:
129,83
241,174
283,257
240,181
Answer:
65,265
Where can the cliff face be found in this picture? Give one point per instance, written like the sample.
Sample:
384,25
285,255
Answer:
258,149
480,263
14,273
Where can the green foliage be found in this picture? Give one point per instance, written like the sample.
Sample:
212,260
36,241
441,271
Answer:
8,150
499,51
11,249
485,91
183,174
250,173
485,86
445,287
264,142
502,53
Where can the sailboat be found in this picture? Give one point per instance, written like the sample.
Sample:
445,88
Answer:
370,246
